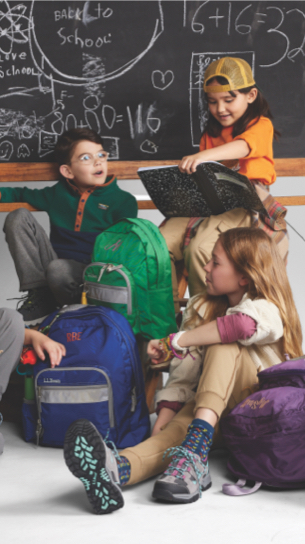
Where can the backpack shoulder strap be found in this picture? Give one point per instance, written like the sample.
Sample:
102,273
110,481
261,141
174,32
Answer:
238,489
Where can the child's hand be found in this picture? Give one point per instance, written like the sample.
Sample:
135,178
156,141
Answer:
155,353
164,417
189,163
42,343
55,350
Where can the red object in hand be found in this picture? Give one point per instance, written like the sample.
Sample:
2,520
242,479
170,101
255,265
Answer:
28,356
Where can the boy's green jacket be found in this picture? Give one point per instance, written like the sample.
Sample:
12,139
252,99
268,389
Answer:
76,218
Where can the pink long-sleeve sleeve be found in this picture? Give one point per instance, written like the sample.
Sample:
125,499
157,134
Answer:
235,327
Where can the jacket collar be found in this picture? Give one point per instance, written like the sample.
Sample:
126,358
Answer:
109,181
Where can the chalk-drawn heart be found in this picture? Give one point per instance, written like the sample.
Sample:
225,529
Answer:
162,80
148,147
6,150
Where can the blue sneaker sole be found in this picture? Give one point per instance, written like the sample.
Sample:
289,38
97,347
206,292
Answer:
85,456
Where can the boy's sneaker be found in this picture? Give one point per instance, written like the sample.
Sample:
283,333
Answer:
37,305
90,460
184,479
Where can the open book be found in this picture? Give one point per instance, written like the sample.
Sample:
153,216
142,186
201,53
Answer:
211,190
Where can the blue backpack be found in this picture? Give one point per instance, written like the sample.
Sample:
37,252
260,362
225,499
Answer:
99,379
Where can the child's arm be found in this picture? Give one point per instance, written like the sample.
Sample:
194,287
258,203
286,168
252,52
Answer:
238,149
224,330
39,198
203,335
42,343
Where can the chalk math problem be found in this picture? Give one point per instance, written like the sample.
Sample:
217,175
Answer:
133,71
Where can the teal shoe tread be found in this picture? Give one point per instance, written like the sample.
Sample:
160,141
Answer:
85,456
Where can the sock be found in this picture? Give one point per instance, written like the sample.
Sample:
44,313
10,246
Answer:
124,470
199,438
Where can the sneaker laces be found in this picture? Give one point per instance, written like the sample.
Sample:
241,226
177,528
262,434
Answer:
181,453
20,299
111,445
28,300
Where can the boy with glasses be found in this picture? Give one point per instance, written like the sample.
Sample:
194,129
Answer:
80,206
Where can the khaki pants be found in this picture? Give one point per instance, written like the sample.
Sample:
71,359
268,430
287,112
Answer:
228,377
198,252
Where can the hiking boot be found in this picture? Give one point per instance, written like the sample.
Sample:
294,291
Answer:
37,305
184,479
90,460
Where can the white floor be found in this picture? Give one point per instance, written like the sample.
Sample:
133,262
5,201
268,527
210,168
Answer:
41,501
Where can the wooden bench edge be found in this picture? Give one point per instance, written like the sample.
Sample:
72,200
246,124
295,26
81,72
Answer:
149,205
47,171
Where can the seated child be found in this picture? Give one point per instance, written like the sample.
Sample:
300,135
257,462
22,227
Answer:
80,206
249,322
239,132
13,336
246,275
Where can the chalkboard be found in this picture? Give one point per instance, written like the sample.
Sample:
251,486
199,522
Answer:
133,71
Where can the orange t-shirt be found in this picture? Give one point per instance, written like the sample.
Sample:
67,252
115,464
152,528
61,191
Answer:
259,164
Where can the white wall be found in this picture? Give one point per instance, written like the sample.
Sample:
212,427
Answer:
282,187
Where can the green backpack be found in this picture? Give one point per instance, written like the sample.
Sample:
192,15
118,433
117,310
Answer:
131,273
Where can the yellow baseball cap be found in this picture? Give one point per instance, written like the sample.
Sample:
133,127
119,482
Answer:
237,72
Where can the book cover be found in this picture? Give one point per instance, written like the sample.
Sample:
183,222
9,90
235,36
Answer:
211,190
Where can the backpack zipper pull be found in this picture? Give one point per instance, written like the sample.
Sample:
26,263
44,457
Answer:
133,399
112,267
39,425
101,273
38,431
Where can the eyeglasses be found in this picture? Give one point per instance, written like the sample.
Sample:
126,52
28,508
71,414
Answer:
89,159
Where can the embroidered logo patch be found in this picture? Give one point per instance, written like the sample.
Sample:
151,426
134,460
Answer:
254,404
103,206
73,336
114,246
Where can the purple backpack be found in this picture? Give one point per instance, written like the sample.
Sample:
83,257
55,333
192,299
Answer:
265,433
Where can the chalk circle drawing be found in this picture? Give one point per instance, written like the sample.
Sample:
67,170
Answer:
6,150
40,54
162,80
91,102
46,142
198,104
148,147
27,130
109,116
13,26
23,151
